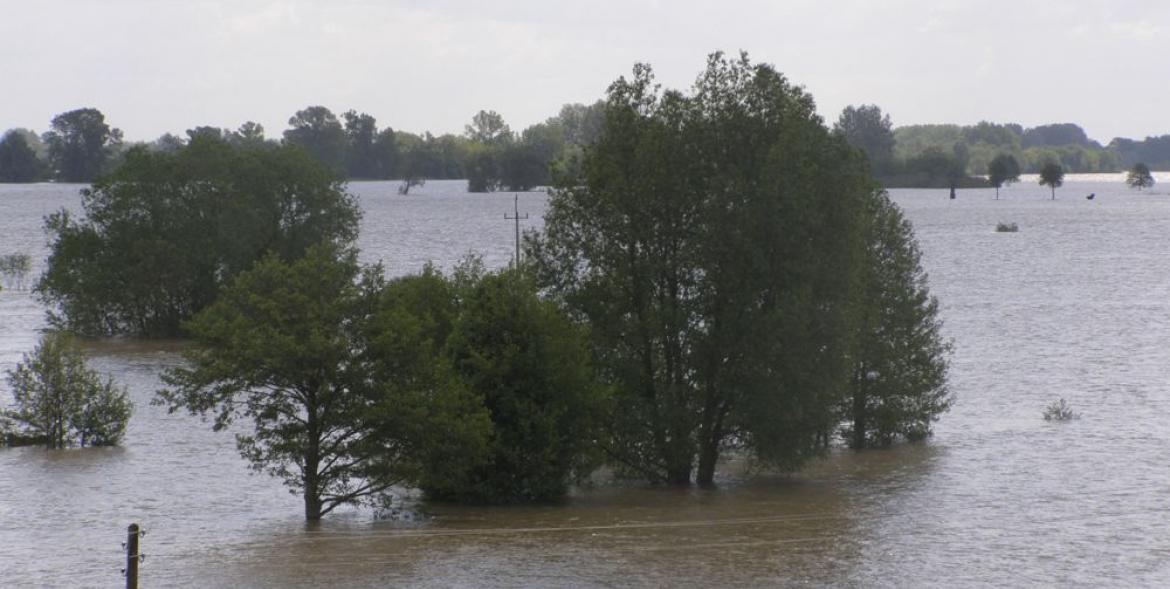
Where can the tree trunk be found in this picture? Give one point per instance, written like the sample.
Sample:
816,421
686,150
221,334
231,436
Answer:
859,417
708,457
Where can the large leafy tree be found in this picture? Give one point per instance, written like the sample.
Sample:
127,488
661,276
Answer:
1052,176
1139,177
339,412
1003,169
709,242
61,402
164,232
867,129
80,144
18,161
317,130
897,384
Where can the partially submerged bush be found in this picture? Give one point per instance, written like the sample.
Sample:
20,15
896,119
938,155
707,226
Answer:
60,402
1007,227
14,268
1060,410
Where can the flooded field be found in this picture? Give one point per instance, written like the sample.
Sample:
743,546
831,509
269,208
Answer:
1074,305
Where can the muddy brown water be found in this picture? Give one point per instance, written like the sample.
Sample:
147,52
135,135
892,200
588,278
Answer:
1074,305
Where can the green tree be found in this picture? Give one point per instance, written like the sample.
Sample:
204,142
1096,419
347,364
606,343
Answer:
899,361
1052,176
1003,169
489,128
18,161
361,133
1139,177
483,168
531,366
80,144
317,130
867,129
709,244
164,232
338,417
60,402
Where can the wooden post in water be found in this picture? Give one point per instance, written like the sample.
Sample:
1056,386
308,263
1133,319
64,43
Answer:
517,217
132,534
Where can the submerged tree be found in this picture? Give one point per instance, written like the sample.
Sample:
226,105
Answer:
80,144
867,129
898,382
709,243
339,416
1139,177
61,402
1052,176
163,233
532,369
1003,169
18,161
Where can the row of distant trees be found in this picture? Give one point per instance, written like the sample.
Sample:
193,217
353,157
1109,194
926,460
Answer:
947,154
80,146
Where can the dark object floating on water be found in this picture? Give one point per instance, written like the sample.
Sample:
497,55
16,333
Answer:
1091,196
952,192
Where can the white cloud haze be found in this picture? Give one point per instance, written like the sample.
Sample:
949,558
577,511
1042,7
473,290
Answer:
158,66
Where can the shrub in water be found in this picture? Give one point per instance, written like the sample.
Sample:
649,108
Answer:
1007,227
1059,410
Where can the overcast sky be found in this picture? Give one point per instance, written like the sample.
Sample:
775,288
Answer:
154,66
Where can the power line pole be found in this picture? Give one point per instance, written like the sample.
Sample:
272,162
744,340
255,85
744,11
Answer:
132,556
517,217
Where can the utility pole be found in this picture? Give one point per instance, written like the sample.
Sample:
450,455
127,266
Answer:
517,217
132,556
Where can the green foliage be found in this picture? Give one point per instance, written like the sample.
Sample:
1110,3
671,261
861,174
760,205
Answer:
531,367
708,242
81,144
60,402
166,231
14,268
317,130
18,161
1004,169
899,362
1052,175
340,412
488,128
867,129
1139,177
1154,151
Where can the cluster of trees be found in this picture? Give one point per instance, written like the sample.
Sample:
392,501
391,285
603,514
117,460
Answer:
80,147
718,272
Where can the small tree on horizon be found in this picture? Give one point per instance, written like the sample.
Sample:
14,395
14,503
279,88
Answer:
1003,169
1052,176
1139,177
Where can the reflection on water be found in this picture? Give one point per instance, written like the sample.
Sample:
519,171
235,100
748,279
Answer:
1075,305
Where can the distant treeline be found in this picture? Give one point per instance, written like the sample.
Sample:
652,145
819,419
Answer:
81,146
940,155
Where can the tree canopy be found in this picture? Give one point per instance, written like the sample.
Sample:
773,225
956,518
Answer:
81,144
1052,176
1139,177
164,232
708,243
60,402
1003,169
867,129
18,161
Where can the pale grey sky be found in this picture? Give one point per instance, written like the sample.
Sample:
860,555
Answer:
154,66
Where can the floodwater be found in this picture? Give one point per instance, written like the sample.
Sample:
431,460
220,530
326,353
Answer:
1074,305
